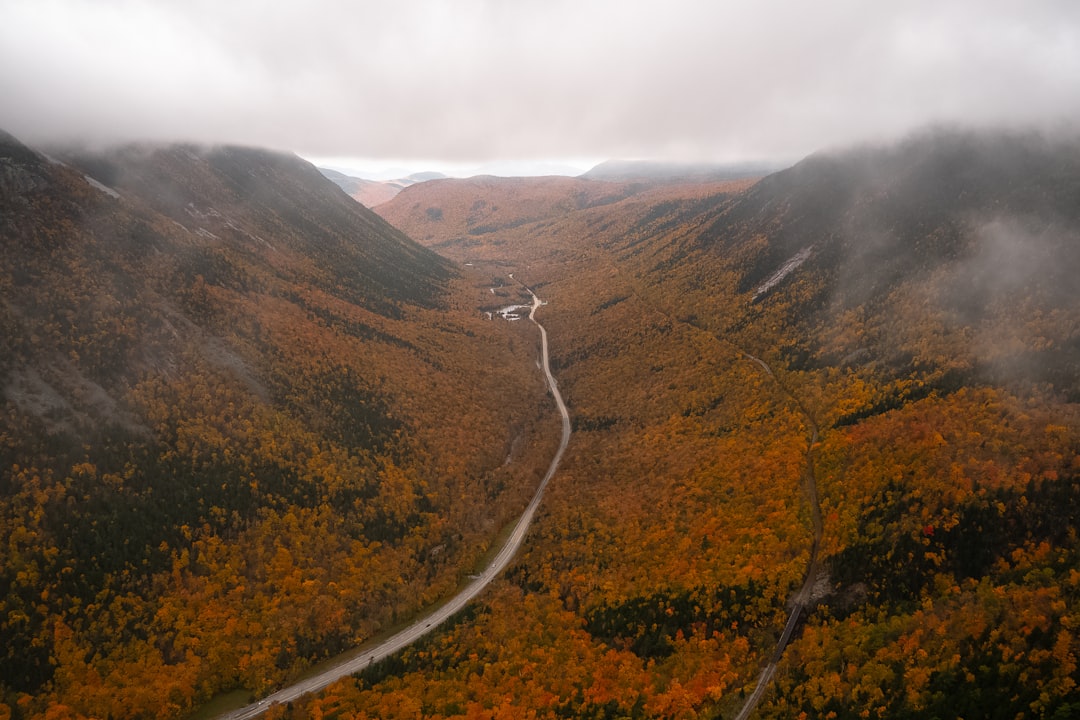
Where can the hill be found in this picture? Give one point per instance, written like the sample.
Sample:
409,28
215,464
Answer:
476,217
246,424
848,390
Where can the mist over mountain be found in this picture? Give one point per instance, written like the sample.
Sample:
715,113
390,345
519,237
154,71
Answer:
957,223
976,229
875,203
650,171
370,193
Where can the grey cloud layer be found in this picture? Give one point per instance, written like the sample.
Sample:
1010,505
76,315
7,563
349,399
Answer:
477,80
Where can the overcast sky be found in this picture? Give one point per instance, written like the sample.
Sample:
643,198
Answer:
472,81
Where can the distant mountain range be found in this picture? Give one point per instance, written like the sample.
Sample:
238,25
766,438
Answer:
370,193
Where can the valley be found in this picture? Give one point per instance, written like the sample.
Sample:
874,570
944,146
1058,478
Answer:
817,450
897,338
429,622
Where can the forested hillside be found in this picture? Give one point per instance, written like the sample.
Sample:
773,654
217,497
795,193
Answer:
879,345
473,212
245,424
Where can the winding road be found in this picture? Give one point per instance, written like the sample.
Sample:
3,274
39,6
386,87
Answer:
427,623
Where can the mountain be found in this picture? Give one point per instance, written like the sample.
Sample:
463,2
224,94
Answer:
375,192
245,425
423,176
453,215
977,231
842,399
827,419
346,182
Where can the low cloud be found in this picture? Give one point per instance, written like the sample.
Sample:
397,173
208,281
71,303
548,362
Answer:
478,80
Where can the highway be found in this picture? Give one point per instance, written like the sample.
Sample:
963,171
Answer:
432,620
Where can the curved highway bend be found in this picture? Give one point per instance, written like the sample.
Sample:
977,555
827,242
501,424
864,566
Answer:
427,623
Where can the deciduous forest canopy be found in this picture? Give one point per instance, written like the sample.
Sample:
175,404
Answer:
248,423
814,314
243,426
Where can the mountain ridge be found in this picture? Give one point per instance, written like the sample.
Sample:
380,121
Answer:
223,387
